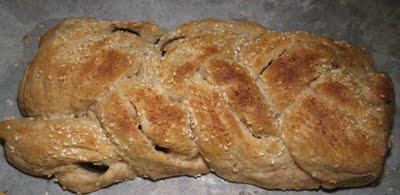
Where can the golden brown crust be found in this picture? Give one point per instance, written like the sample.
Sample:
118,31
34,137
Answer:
77,61
323,147
58,147
124,120
273,109
234,154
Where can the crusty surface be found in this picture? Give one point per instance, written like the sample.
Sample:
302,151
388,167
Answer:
79,59
274,109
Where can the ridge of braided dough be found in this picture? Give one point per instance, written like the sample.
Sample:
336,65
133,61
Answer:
274,109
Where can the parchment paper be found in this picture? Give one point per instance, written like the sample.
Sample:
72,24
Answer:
373,25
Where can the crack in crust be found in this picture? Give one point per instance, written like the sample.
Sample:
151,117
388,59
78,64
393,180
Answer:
109,101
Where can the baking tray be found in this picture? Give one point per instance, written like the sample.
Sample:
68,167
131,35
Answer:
373,25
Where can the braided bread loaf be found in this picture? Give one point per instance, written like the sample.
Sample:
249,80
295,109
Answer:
109,101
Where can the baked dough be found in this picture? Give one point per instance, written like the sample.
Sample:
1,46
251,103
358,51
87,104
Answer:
108,101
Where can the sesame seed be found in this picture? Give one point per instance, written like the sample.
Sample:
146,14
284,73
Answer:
10,102
235,170
12,148
225,148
